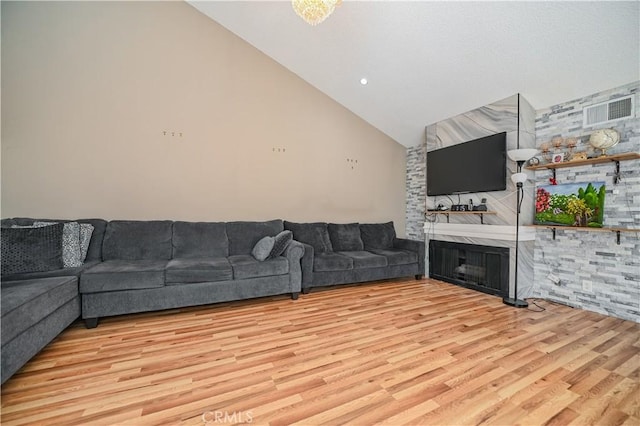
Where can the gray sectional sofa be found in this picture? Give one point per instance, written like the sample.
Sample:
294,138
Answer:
352,253
139,266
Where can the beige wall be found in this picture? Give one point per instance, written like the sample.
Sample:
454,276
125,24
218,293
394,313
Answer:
89,88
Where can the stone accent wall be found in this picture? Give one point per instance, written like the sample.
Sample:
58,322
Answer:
416,191
611,270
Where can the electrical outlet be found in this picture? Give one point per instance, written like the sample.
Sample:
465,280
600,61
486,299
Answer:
587,285
554,279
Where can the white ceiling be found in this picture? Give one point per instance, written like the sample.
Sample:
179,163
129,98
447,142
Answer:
427,61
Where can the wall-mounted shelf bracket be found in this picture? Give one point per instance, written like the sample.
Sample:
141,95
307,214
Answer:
553,230
554,174
618,237
616,175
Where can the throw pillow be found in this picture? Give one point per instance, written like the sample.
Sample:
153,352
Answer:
314,234
86,231
345,237
281,241
378,235
263,248
71,248
31,249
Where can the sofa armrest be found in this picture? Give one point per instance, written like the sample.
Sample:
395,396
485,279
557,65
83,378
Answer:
294,253
412,245
307,266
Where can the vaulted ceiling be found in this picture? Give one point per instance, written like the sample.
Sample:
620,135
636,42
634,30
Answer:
429,60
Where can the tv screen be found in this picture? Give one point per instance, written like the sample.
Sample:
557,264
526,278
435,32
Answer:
479,165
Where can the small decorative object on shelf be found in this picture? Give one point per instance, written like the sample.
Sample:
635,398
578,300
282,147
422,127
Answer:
578,156
533,161
604,139
557,157
545,148
571,144
557,142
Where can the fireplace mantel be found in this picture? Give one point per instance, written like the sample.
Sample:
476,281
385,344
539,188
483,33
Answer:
489,232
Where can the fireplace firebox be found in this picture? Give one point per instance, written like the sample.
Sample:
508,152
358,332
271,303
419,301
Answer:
481,268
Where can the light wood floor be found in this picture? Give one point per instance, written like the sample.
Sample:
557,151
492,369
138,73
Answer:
397,352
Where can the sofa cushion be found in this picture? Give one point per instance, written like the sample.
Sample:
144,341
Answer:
345,237
325,262
200,239
193,270
243,236
116,275
280,244
315,234
137,240
397,256
377,235
365,259
31,249
26,302
245,266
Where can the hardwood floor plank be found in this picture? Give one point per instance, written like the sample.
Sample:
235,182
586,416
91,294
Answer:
391,352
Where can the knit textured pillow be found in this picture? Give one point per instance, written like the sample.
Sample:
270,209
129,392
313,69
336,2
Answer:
71,247
31,249
281,241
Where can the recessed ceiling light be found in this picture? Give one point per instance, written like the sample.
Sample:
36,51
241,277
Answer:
363,81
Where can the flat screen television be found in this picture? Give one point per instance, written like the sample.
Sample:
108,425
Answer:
479,165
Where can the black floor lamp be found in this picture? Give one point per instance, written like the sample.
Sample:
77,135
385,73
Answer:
519,178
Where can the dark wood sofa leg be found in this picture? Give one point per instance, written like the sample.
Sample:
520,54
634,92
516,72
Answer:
305,290
91,322
294,296
418,276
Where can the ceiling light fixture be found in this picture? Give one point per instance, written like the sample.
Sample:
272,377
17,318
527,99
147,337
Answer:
314,11
364,81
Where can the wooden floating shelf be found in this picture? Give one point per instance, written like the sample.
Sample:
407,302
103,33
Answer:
586,228
596,160
447,213
471,212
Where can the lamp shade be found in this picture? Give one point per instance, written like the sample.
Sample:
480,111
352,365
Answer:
519,178
522,154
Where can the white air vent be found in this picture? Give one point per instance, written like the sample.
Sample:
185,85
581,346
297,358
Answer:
606,112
